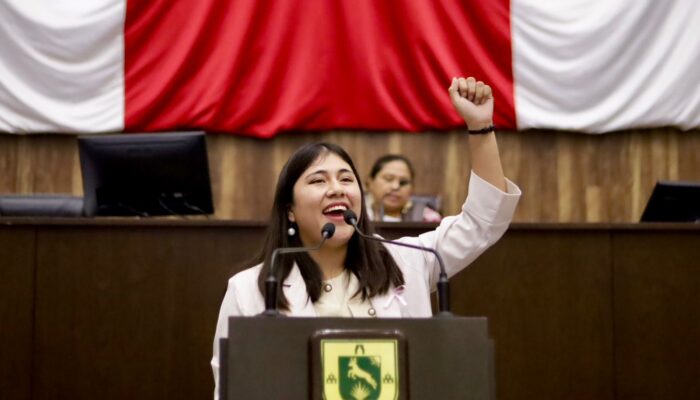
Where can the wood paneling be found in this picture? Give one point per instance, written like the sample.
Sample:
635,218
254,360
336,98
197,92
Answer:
658,315
131,314
17,262
547,295
566,177
127,308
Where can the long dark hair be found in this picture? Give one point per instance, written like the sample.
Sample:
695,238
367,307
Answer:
371,263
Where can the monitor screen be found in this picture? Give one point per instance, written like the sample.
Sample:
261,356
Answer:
673,202
145,174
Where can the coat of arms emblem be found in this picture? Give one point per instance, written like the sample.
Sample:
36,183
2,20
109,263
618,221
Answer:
360,369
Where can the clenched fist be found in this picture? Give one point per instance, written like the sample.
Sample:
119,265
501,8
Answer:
473,100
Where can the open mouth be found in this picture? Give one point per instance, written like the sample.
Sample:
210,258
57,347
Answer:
335,210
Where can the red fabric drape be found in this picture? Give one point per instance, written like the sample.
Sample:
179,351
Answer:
257,67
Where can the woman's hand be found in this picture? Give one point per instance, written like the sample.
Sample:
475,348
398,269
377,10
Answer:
473,100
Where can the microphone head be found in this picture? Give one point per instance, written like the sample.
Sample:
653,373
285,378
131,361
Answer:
328,230
350,217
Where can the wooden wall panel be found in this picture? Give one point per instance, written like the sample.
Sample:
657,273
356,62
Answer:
657,315
8,164
131,314
566,177
17,263
39,164
547,296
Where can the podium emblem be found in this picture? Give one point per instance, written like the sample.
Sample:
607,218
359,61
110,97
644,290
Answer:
360,369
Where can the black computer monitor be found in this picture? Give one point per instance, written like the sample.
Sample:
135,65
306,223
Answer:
145,174
673,202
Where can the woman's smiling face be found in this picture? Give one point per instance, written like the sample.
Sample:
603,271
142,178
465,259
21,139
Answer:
321,194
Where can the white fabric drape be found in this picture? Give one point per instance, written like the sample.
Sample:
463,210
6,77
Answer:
61,65
606,65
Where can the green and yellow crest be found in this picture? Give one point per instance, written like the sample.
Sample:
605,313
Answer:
362,369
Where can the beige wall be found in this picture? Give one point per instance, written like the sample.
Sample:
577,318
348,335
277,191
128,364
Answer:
565,177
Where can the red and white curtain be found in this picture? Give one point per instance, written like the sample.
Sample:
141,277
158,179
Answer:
260,67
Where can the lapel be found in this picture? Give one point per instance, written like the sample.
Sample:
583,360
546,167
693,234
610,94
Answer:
295,289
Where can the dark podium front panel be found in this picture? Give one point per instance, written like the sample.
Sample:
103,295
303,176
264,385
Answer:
273,358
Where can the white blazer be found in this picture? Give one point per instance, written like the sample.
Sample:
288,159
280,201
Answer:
459,239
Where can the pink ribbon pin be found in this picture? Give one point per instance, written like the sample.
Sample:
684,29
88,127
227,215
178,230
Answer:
398,291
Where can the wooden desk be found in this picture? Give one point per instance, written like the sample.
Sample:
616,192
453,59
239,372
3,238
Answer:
127,308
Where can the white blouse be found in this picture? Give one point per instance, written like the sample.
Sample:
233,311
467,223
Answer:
337,298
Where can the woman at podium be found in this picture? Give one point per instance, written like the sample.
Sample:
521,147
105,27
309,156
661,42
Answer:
349,276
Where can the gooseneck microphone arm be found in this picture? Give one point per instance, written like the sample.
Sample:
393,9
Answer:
443,284
271,282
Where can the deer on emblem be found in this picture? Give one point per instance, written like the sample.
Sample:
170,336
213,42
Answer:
355,372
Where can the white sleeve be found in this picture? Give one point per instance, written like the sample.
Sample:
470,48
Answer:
229,308
460,239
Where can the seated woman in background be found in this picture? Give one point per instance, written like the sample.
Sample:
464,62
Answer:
389,190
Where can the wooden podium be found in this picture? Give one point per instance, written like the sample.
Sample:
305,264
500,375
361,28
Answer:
288,358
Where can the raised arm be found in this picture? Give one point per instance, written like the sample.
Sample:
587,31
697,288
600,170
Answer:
473,100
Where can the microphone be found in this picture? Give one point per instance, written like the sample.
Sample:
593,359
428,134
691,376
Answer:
271,282
443,284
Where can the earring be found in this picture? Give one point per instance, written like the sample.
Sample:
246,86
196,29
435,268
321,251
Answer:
291,231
